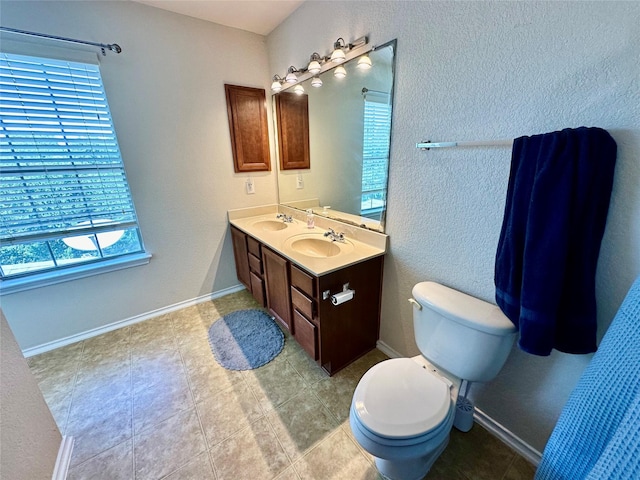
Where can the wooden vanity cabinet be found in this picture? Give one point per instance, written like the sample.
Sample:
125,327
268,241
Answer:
348,331
247,254
304,310
256,271
240,253
333,335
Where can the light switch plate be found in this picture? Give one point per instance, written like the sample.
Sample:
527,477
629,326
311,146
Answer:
299,182
251,189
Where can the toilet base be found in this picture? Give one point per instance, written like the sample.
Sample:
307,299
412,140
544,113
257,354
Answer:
410,469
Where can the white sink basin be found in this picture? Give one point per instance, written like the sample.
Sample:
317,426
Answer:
317,246
270,225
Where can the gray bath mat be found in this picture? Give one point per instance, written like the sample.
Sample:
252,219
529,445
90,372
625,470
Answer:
245,339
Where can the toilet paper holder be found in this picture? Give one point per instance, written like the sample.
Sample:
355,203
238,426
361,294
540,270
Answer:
341,297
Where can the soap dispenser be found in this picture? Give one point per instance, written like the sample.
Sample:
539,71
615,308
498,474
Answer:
310,219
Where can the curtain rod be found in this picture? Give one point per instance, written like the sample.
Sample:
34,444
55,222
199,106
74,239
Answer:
113,47
484,143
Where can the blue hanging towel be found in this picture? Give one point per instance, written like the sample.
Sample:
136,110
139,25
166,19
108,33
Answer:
597,436
555,214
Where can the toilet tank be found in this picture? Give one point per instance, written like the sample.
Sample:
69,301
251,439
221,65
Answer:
461,334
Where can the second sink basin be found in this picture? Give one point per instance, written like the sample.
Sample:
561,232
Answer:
270,225
315,245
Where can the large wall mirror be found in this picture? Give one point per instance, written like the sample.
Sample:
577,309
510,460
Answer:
349,138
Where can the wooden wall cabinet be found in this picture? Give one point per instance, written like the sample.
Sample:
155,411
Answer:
247,112
333,335
292,112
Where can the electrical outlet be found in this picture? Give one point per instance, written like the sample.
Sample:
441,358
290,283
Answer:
299,182
251,189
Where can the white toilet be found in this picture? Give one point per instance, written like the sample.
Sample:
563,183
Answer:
403,409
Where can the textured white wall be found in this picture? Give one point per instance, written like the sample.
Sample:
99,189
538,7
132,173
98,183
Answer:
29,436
166,92
480,71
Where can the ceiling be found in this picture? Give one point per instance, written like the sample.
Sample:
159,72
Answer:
254,16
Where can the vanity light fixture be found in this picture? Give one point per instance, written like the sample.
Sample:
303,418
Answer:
291,75
298,89
317,63
364,63
314,64
276,86
338,56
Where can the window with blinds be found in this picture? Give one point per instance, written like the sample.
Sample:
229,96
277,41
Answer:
64,197
375,152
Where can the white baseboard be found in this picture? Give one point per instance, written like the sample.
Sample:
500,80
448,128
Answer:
505,435
386,349
64,458
45,347
508,437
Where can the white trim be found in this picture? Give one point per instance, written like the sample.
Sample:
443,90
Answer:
384,348
45,347
64,458
508,437
14,285
505,435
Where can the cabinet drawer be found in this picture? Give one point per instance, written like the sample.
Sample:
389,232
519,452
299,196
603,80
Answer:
255,264
303,281
254,246
303,303
306,334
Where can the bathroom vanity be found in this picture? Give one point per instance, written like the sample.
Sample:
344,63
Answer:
294,272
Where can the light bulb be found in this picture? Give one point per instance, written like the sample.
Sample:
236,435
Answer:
298,89
316,82
340,72
314,67
338,55
291,78
364,63
276,86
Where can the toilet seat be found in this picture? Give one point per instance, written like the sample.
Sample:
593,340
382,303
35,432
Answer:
400,399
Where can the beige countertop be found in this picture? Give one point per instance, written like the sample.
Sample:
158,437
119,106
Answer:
359,245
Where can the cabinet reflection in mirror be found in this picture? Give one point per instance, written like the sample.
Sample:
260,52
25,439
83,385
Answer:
349,136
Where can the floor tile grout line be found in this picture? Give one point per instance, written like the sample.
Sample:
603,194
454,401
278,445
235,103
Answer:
73,387
513,460
131,395
273,430
193,400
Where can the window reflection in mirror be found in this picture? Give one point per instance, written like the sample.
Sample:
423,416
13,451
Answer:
349,139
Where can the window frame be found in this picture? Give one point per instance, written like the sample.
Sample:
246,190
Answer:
83,166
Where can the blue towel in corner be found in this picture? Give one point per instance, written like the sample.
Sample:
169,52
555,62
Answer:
555,214
597,436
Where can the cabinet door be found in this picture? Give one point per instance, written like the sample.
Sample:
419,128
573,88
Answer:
276,275
247,111
293,130
240,253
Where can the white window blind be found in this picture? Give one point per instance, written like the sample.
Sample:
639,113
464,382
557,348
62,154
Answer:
61,172
375,151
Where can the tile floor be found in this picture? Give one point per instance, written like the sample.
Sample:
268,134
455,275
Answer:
148,401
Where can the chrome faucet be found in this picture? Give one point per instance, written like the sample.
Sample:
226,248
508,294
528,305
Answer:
335,237
285,218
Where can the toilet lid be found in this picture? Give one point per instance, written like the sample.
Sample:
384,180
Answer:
399,398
